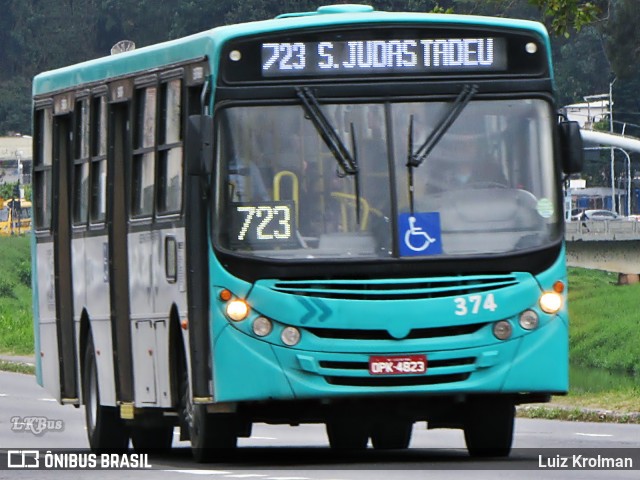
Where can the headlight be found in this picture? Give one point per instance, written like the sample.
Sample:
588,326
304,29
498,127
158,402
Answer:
237,310
550,302
262,326
528,320
290,336
502,330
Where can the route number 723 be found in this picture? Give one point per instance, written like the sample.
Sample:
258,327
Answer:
472,304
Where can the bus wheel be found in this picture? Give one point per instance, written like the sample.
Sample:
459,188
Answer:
105,428
391,434
347,434
488,427
152,439
211,434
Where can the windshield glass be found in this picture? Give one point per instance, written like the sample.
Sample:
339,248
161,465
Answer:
486,187
4,215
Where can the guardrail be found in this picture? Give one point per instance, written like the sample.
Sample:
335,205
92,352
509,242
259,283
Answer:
591,230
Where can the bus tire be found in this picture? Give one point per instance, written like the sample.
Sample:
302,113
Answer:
347,434
391,435
211,434
152,439
105,429
488,427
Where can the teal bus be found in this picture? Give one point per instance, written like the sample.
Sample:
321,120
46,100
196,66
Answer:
345,217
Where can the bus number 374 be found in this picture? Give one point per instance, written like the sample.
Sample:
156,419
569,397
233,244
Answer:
472,304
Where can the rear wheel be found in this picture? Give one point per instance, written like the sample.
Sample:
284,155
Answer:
391,434
488,427
347,434
105,428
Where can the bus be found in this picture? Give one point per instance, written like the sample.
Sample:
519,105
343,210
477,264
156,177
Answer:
15,217
261,223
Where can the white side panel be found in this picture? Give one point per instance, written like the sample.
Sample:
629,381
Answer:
141,252
47,311
49,358
144,375
103,345
163,379
170,291
98,308
97,278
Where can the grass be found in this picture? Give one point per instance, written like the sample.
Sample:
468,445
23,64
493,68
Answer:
16,316
605,321
604,337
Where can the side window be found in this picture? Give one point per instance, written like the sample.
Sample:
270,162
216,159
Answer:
170,148
81,163
42,163
98,167
143,169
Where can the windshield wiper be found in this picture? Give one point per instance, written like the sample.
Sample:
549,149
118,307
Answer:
415,159
347,162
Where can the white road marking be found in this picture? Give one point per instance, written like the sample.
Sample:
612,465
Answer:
200,472
47,400
246,475
288,478
4,394
594,434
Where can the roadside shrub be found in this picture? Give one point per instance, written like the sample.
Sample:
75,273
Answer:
6,289
24,273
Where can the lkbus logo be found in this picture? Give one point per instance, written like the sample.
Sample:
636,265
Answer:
36,425
23,459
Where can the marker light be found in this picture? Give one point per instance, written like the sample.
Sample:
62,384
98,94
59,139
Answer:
502,330
262,326
290,336
528,320
237,310
550,302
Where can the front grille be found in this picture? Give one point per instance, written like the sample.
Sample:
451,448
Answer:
399,381
342,365
417,333
395,289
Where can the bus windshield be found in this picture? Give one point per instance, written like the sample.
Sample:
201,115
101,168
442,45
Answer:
484,188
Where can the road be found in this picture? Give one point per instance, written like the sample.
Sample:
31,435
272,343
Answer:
302,453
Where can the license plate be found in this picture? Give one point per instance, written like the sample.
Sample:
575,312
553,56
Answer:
398,365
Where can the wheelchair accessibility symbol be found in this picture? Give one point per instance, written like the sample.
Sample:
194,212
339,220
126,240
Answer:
419,234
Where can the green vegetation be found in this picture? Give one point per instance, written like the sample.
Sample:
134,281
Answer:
16,316
605,321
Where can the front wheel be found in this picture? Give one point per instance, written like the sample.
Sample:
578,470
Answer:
347,434
105,428
488,427
211,434
152,439
391,435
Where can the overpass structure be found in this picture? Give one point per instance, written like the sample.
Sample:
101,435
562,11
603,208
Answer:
605,245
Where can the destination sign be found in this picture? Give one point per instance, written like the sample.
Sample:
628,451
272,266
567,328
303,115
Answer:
382,57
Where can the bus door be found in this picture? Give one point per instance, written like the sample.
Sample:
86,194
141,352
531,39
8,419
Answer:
118,152
61,229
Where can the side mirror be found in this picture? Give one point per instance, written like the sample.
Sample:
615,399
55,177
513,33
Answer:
199,145
571,147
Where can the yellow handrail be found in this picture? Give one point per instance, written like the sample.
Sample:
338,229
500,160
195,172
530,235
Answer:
348,199
295,188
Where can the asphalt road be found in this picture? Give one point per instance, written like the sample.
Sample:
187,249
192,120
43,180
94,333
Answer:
302,453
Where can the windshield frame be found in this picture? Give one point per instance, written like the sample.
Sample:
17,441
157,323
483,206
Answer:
395,265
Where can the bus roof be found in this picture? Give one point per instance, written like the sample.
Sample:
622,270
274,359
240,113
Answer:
208,43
